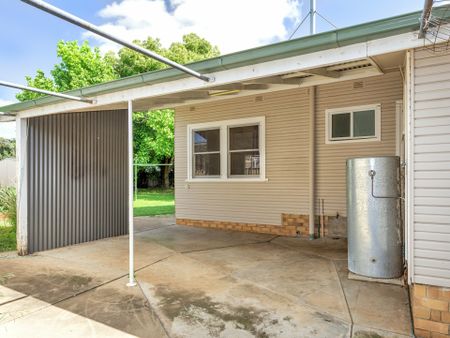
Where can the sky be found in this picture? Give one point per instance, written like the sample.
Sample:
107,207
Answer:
28,36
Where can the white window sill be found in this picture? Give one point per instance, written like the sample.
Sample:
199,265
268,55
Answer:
353,140
229,180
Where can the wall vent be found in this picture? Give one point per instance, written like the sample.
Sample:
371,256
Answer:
191,108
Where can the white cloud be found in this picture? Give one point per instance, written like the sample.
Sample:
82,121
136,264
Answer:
232,25
7,129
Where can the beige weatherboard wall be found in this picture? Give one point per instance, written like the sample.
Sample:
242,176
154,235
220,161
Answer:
281,201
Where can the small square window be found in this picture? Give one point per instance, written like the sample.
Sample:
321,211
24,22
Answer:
340,125
353,124
364,123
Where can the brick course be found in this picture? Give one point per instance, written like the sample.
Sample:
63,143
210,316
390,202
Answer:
291,225
431,311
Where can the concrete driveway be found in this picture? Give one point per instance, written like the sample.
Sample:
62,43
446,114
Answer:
196,283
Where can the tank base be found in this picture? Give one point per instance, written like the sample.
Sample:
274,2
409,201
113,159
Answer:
393,281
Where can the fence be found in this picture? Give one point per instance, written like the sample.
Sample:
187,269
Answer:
8,172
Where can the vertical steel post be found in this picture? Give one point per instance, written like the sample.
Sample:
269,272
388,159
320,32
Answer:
312,19
135,182
22,186
131,280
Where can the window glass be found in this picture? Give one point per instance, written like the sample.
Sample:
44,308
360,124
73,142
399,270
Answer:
364,123
207,164
206,157
244,159
206,140
244,138
245,163
340,125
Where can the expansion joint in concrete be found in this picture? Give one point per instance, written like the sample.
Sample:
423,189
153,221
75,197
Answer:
345,298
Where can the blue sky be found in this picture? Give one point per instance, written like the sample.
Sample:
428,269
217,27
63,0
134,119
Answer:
28,36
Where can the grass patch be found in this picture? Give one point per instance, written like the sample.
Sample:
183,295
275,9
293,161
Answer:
7,238
154,202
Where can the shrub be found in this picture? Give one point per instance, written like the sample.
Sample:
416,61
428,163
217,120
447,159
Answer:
8,204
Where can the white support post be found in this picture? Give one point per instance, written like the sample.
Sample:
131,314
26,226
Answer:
131,280
312,108
22,192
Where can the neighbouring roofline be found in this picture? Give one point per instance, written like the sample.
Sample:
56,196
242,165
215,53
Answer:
327,40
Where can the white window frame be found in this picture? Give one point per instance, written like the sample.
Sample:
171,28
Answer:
224,146
352,139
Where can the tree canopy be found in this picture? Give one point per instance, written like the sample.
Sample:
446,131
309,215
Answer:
81,66
7,148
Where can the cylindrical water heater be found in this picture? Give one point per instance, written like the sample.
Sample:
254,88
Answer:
373,222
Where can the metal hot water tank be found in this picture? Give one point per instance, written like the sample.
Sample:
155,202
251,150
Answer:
373,222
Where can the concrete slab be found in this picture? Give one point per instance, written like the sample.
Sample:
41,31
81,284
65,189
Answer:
144,223
117,306
374,305
196,283
335,249
8,295
109,257
20,308
53,322
367,332
46,279
308,280
194,299
186,239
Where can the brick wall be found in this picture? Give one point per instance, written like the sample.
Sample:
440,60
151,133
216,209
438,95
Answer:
431,311
291,225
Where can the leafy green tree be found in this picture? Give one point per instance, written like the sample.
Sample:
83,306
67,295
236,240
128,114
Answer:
7,148
130,63
39,81
82,66
154,130
154,139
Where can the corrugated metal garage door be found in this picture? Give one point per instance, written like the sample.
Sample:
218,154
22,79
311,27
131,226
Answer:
77,183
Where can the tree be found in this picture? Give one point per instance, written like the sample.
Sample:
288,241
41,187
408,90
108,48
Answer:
154,139
82,66
7,148
154,130
39,81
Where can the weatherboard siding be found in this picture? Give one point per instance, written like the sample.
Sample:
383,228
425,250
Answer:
287,128
431,161
331,158
286,190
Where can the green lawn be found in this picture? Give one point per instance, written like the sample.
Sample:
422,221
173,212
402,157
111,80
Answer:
149,203
154,202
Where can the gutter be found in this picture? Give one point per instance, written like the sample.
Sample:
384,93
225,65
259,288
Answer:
7,117
301,46
425,18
